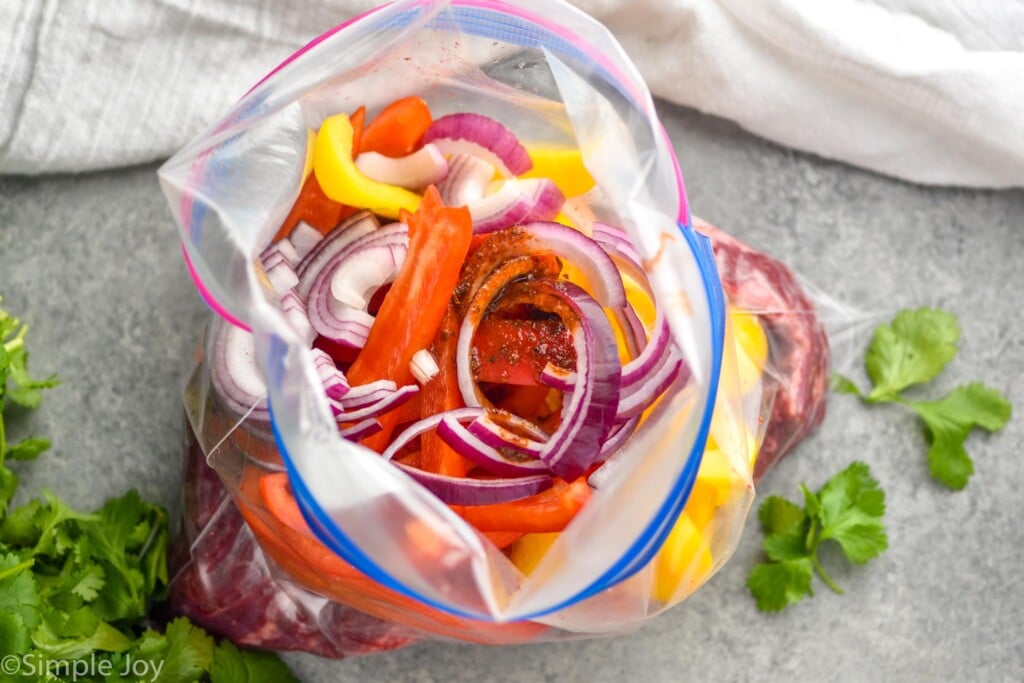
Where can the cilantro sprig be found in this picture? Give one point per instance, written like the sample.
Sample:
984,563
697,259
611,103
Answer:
77,585
847,510
913,350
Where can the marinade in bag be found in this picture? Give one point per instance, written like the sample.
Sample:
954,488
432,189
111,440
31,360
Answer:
475,375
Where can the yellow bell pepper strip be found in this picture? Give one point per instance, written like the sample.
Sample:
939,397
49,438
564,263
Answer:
563,166
343,182
527,552
313,206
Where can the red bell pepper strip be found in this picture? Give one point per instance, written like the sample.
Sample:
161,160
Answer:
544,512
514,351
441,394
412,311
396,131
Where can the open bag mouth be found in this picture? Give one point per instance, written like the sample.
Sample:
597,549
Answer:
231,187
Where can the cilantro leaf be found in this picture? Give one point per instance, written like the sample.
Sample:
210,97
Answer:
188,655
841,384
232,665
852,506
848,510
785,526
950,420
102,637
86,582
28,449
14,634
18,592
778,514
28,392
75,585
8,485
777,585
914,349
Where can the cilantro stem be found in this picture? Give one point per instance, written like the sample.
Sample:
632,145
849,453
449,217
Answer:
11,571
818,567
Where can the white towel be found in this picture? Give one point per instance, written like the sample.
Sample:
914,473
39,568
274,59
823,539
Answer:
926,90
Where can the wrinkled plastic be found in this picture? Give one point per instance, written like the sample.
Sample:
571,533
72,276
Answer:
375,545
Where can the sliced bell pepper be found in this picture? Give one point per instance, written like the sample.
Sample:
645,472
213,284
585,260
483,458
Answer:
397,129
412,312
503,539
315,207
442,394
513,351
550,510
563,166
343,182
528,551
685,558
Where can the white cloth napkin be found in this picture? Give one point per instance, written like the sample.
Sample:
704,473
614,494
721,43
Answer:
926,90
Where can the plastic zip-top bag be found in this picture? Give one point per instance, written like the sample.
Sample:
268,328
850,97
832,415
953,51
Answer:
473,373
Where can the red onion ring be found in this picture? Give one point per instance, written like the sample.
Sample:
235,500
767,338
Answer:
480,136
467,491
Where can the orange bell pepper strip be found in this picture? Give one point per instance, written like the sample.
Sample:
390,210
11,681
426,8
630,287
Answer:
412,311
397,130
439,395
315,207
503,539
548,511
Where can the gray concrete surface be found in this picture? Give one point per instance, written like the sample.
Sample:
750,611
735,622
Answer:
91,261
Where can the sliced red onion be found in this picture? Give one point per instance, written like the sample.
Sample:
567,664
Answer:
503,462
515,202
612,453
281,276
283,248
391,401
425,166
359,225
333,379
617,241
373,387
234,375
589,413
653,386
480,136
652,356
585,254
383,251
529,441
423,366
467,491
304,237
618,437
361,430
356,399
295,314
355,280
467,180
558,378
425,425
633,331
